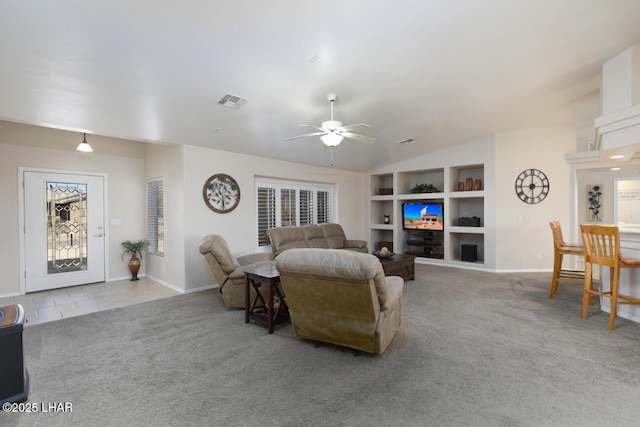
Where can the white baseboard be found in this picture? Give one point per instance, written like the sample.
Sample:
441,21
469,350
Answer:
11,295
180,290
116,279
476,266
627,316
166,284
202,288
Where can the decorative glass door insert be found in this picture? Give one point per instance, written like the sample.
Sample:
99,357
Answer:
66,209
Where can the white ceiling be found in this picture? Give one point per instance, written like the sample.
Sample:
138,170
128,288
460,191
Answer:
442,72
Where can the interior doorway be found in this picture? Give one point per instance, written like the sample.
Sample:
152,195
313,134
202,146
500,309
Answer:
64,236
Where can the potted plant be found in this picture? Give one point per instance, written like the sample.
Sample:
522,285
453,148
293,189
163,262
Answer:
134,249
423,188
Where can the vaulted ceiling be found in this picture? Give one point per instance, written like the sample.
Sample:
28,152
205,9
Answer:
440,72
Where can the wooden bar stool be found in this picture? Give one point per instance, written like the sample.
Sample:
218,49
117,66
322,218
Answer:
560,248
602,247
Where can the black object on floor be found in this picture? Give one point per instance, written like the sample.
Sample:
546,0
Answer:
469,253
14,384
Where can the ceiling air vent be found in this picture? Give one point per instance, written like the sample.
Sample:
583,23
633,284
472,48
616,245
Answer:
232,101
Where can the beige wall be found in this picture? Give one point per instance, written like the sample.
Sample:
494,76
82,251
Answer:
517,235
167,162
523,236
238,227
42,148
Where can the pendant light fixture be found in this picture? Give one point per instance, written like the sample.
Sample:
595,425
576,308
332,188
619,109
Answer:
84,145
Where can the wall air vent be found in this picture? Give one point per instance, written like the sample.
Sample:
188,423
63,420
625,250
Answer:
232,101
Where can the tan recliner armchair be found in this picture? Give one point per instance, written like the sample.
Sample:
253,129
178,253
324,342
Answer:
341,297
229,271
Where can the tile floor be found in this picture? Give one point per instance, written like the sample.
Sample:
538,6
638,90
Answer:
60,303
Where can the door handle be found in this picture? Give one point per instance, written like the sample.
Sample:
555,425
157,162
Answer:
98,235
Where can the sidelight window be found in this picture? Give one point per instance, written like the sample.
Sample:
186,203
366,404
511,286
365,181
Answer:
155,217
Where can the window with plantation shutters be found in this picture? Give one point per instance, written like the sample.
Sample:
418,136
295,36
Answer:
306,207
287,207
155,217
281,203
323,207
266,213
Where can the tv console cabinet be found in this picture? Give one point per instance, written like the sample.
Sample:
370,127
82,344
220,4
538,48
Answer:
426,244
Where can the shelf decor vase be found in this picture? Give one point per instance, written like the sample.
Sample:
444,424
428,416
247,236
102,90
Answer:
460,186
134,267
477,185
469,184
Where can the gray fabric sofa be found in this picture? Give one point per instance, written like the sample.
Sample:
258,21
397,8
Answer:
323,236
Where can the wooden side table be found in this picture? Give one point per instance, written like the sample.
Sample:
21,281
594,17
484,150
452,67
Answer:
269,314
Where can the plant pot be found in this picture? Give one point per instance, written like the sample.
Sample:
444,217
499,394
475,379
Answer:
134,267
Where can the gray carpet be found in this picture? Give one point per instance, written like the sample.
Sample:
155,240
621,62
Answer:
474,349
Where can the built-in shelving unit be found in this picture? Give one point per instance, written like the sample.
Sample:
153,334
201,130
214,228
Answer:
461,190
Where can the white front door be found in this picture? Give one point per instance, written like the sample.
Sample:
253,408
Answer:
64,230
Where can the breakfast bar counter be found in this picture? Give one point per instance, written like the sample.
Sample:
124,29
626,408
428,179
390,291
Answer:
629,277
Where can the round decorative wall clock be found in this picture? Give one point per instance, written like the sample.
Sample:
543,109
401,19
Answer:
221,193
532,186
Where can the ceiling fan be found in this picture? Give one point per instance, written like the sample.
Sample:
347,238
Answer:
332,132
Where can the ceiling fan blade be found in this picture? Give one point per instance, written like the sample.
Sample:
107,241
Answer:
349,127
305,135
357,137
312,126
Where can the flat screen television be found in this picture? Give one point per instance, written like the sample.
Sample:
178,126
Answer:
426,216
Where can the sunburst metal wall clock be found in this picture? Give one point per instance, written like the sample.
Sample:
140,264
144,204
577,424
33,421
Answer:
221,193
532,186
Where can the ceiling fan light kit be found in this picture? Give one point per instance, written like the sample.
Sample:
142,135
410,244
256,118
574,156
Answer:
331,139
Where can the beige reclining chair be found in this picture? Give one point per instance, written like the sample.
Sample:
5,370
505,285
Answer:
341,297
229,271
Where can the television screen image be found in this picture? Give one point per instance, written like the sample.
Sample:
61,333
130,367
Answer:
423,216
